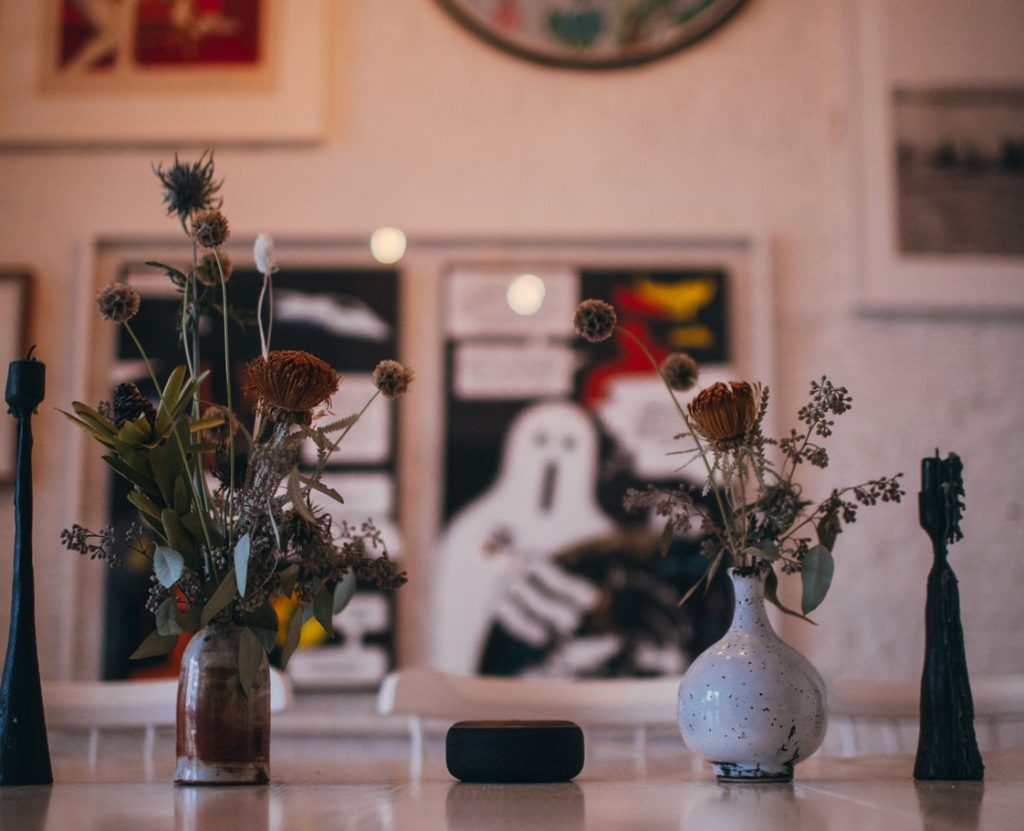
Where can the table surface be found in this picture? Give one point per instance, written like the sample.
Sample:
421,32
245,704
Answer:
662,789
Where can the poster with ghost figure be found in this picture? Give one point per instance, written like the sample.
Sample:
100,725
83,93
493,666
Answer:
347,317
539,570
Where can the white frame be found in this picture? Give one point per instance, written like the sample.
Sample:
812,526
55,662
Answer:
284,100
889,281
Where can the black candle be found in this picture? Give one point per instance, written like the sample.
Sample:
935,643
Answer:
24,751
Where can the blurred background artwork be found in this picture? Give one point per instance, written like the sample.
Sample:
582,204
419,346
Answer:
348,315
592,34
113,71
540,570
960,170
110,36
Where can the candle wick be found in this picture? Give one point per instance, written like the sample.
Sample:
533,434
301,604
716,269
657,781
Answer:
32,349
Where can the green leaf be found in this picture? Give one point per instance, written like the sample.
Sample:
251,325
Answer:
665,543
267,639
343,592
179,536
219,600
250,656
167,618
817,577
205,424
323,604
771,594
829,527
154,646
182,496
94,419
263,618
167,565
101,438
310,482
291,638
242,563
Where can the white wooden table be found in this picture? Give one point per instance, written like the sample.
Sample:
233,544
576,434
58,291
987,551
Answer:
666,789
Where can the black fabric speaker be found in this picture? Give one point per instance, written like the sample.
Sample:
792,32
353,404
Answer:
514,751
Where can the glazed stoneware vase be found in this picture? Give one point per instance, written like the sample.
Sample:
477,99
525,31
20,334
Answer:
750,704
223,734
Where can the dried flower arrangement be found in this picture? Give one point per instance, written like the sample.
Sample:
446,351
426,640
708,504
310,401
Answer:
223,552
759,514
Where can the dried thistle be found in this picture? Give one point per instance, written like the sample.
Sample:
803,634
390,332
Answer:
392,378
595,320
680,371
189,187
210,267
210,229
118,302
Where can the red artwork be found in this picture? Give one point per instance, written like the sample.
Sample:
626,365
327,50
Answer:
101,35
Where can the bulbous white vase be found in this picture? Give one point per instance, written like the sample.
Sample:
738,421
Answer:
750,704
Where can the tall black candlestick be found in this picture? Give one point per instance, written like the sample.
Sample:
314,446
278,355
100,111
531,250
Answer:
24,751
946,747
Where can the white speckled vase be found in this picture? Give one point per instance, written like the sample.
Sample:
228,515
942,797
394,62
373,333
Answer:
750,704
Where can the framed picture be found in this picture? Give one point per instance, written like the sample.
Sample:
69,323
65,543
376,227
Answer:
939,159
146,71
13,307
539,569
590,34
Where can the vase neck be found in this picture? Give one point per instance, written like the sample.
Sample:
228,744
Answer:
749,608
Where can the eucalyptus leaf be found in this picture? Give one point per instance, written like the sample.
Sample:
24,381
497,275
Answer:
343,592
292,636
771,594
267,639
154,646
167,618
242,563
323,604
145,505
219,600
167,565
250,656
817,577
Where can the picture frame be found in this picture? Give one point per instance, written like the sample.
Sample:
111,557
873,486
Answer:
881,75
14,288
277,92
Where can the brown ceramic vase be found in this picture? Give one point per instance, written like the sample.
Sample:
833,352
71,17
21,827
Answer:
223,735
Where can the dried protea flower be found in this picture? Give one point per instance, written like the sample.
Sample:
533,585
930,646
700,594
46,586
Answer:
725,414
189,187
392,378
128,404
118,302
210,228
208,272
680,371
289,383
595,320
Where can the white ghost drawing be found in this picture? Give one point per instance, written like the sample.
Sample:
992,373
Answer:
542,501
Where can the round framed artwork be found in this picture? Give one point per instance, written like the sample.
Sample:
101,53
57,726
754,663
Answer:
591,34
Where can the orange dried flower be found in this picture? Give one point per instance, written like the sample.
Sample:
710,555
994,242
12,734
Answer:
725,413
289,383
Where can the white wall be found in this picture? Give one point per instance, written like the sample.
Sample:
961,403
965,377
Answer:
748,132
